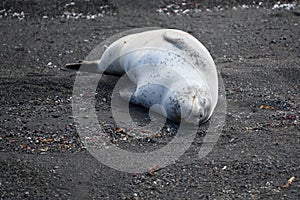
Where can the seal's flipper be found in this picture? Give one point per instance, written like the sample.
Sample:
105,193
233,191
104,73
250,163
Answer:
74,66
85,66
92,67
128,93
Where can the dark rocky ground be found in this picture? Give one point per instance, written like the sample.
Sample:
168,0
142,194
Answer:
256,50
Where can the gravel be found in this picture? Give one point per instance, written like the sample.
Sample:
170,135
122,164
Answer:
256,50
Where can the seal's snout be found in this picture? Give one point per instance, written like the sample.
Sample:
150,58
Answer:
198,110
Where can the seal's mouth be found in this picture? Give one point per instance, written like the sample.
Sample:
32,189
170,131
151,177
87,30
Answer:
198,112
194,117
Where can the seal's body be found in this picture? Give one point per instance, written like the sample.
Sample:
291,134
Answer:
168,67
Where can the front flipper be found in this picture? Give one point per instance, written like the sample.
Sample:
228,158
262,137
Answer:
147,96
127,93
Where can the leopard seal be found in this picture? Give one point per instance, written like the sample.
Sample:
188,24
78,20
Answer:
167,67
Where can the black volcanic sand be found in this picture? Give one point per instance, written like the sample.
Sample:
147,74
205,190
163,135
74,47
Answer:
255,48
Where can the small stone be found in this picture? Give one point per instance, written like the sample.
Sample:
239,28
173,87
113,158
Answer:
26,194
56,115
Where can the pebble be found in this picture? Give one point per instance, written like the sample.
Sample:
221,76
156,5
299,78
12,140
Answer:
56,115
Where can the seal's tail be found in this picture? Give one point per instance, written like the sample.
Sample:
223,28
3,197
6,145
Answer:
92,67
74,66
85,66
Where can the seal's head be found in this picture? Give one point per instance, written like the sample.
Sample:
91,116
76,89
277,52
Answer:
195,107
195,110
190,104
